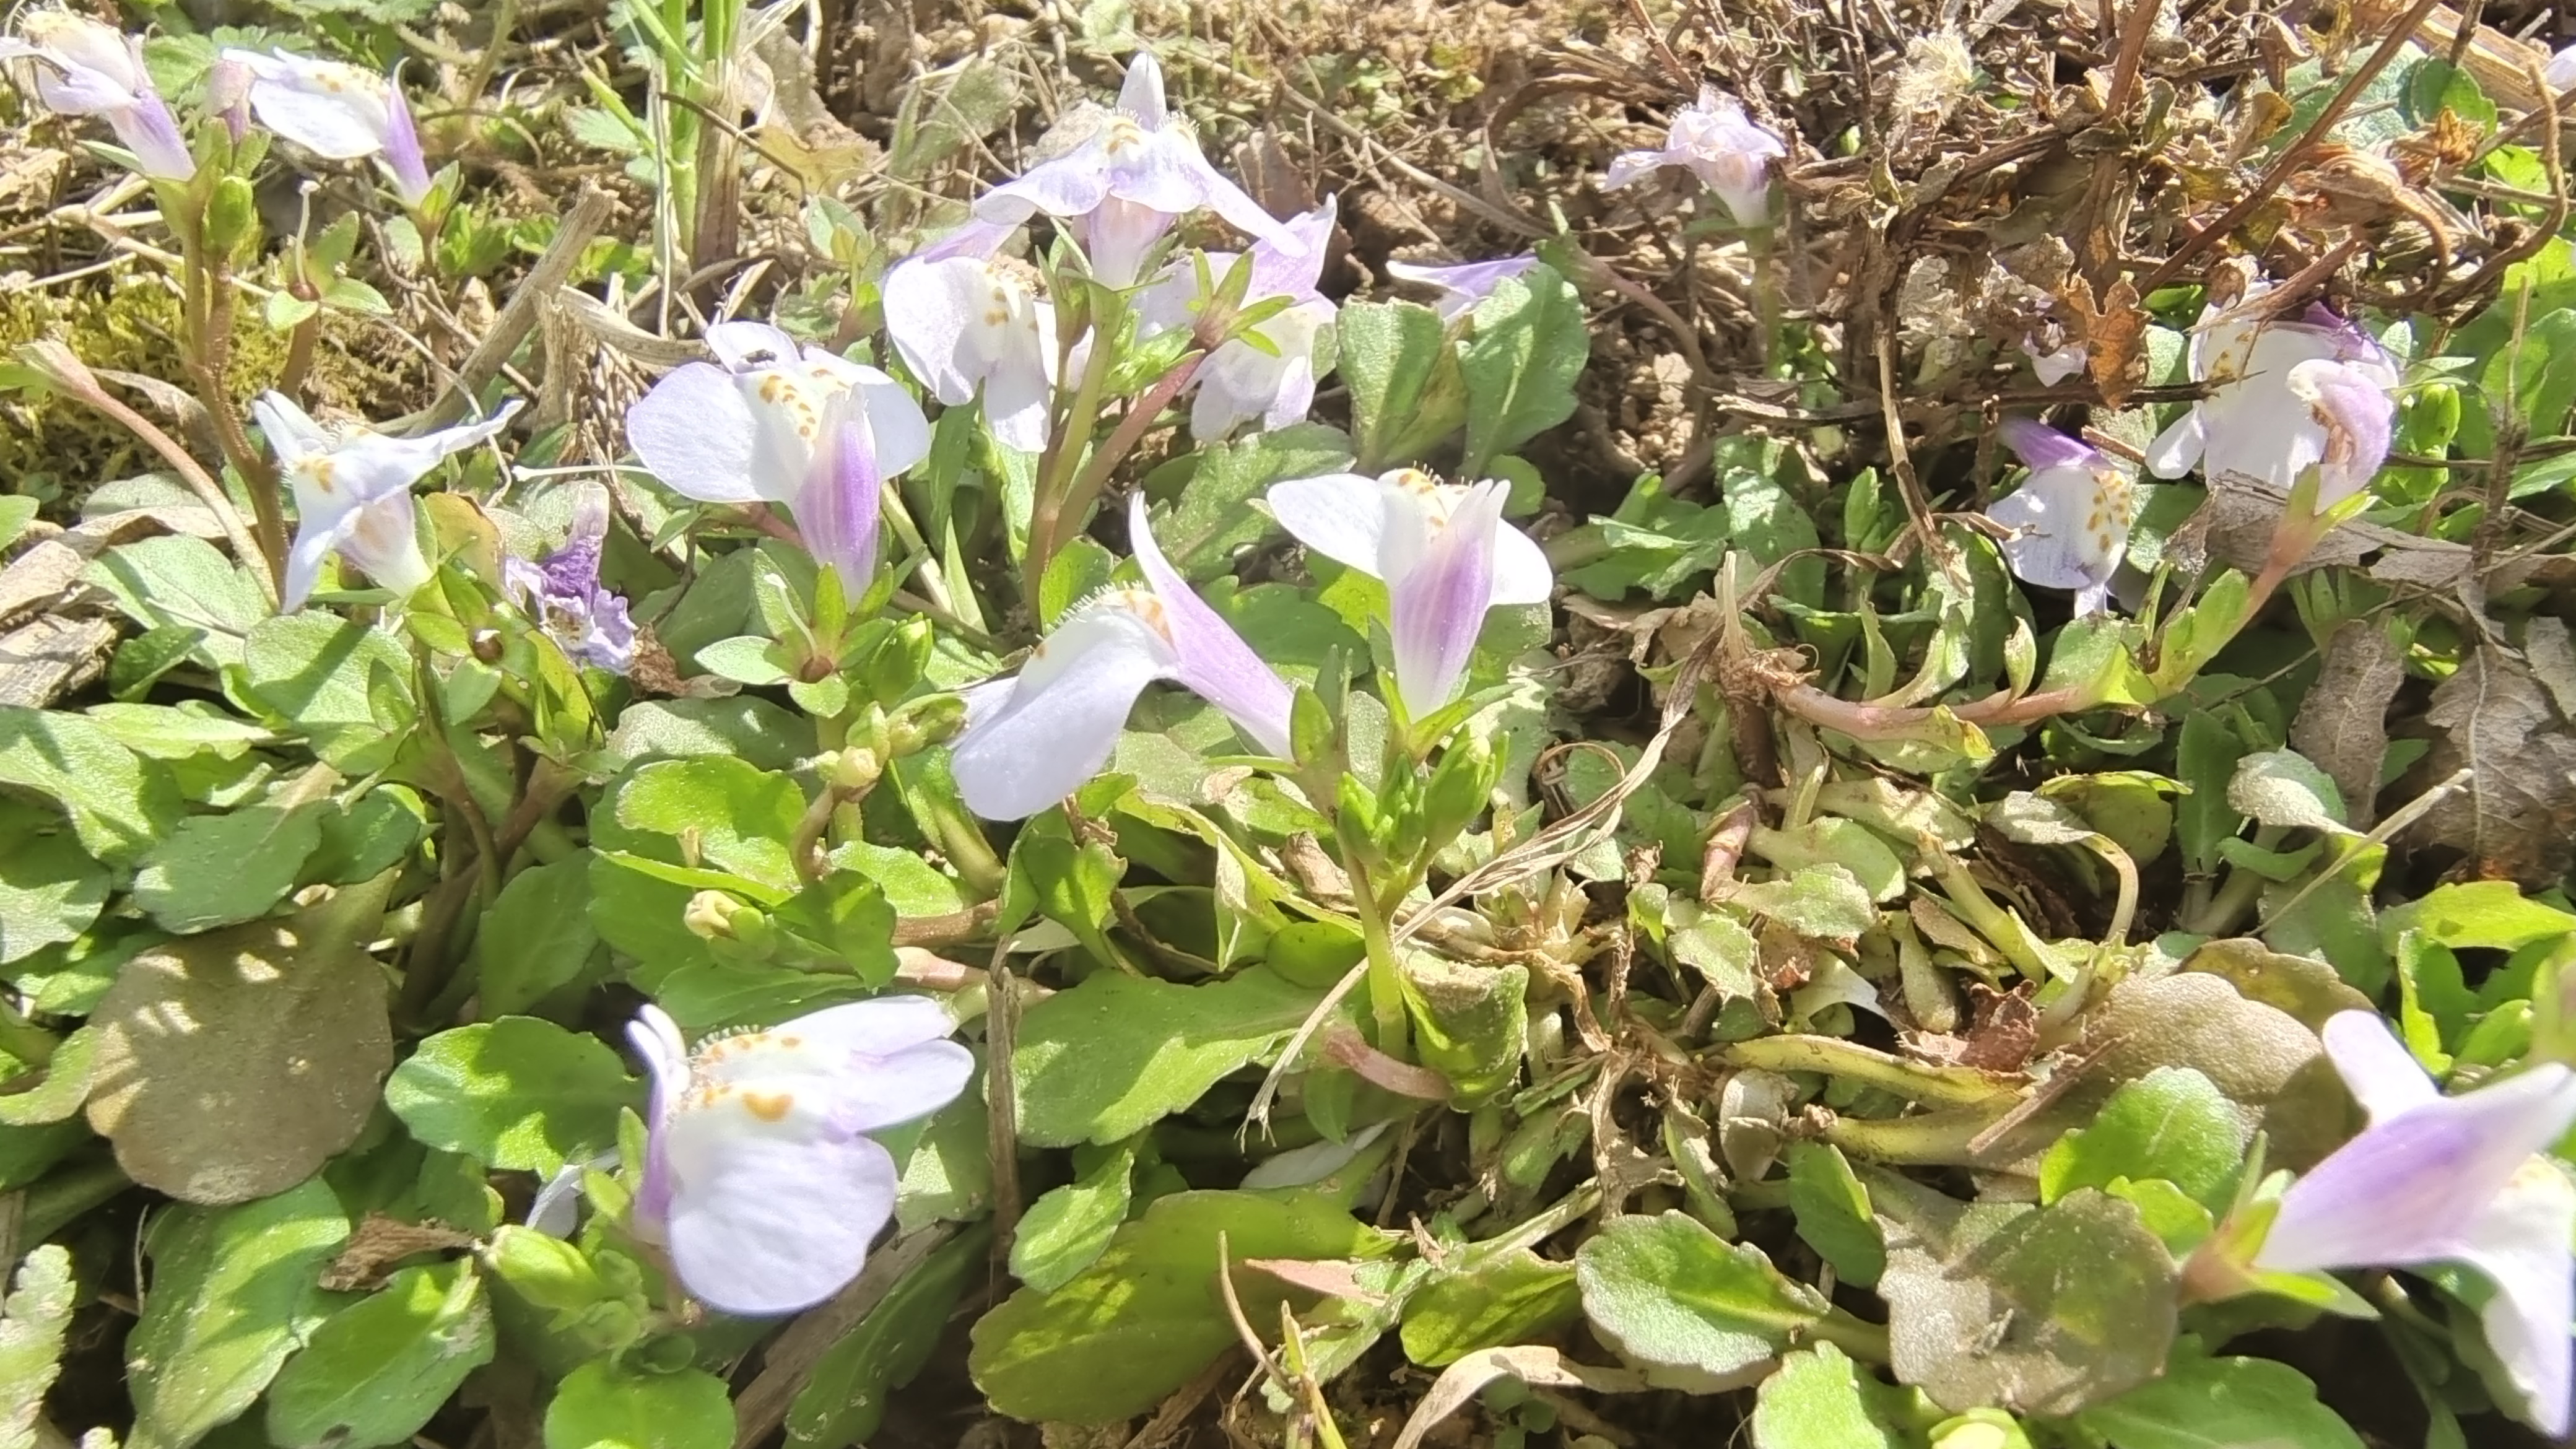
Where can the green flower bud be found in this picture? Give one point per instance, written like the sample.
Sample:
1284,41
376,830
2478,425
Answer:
1312,735
930,720
852,771
1461,788
232,215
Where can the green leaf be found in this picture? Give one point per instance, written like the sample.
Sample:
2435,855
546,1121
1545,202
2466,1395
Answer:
231,1290
1530,341
31,1341
2171,1123
740,816
844,1398
1824,901
537,937
2477,915
1118,1053
233,1064
179,582
2221,1403
1513,1297
1406,391
1215,518
1066,1230
1693,1310
2537,374
1474,1023
2069,1305
50,890
323,675
377,1370
746,726
1818,1400
118,803
1832,1211
518,1094
17,510
220,870
1147,1317
2280,787
597,1407
2205,755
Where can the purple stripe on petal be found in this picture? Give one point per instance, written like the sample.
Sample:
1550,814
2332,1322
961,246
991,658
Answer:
402,146
837,507
2041,446
1439,604
1215,663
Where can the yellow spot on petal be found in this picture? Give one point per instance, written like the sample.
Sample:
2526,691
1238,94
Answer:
769,1106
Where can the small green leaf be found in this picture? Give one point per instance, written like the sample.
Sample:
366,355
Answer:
2221,1403
2477,915
1474,1023
325,676
2281,787
1693,1310
1147,1317
2170,1124
119,804
844,1398
31,1342
1514,1297
1824,901
377,1370
219,870
1529,342
1214,517
597,1407
50,890
1118,1053
1406,391
1832,1211
1819,1400
739,816
537,937
231,1291
1066,1230
518,1094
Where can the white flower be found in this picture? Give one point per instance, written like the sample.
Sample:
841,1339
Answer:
353,493
2054,367
969,324
2070,517
2560,74
2256,422
337,110
746,427
1714,140
79,67
1032,739
759,1175
1461,284
1443,551
1126,183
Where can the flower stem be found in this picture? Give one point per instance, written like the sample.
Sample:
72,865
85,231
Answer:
1385,973
1056,471
1833,1056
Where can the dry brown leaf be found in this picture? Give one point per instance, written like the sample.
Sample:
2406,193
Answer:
2516,817
2111,332
2343,723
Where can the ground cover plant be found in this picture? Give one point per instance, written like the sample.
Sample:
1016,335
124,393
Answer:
1840,726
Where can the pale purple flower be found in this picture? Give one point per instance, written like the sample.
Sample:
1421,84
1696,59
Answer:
759,1174
1123,185
1461,285
774,422
2560,74
77,66
1240,382
1714,140
228,84
2438,1179
2256,423
1032,739
562,591
2349,401
2072,514
353,493
967,323
337,110
1443,551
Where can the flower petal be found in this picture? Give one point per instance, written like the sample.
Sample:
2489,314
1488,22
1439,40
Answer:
2403,1191
1064,714
382,537
1522,574
1463,284
324,106
1141,94
1339,515
2041,446
1439,605
371,465
1017,395
696,433
2520,1242
770,1216
741,346
317,535
837,507
2348,401
2073,527
1215,663
897,430
656,1039
932,309
2376,1068
2178,448
291,432
1072,184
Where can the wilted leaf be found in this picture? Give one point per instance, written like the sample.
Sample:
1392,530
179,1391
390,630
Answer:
31,1342
2343,723
2307,989
2270,1066
2516,815
2039,1310
2281,788
232,1064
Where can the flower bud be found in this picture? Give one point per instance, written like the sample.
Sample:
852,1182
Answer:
232,215
931,720
852,771
1461,787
